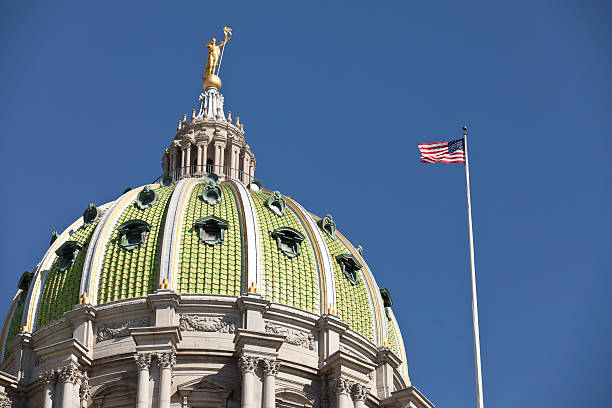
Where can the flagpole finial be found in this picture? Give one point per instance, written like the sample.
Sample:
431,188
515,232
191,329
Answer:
464,130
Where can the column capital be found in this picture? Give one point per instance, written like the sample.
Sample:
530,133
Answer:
341,386
70,373
270,366
143,360
247,364
359,392
48,376
167,360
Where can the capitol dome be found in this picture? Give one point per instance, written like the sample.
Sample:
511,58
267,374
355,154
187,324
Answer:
203,289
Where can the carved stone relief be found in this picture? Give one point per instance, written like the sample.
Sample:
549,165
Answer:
121,329
221,324
294,337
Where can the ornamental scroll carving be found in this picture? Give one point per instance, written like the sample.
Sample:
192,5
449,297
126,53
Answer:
190,322
122,329
295,337
5,401
248,364
70,374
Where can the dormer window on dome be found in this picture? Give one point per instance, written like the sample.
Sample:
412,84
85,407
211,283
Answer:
328,226
67,253
387,302
211,229
133,233
24,285
276,204
146,198
288,241
90,214
350,267
211,193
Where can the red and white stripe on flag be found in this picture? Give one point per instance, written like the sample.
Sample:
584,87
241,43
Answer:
445,152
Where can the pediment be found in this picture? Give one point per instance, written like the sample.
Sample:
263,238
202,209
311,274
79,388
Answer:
204,385
291,397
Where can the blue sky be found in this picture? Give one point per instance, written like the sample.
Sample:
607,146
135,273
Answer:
335,97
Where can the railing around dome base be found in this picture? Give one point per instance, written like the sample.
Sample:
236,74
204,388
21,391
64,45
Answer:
224,172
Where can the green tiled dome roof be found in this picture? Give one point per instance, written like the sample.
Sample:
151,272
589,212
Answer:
235,241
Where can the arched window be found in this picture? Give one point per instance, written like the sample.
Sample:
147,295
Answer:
133,233
211,229
288,241
67,253
350,267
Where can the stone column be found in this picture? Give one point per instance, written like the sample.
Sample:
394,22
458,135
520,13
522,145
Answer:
248,365
183,161
199,159
217,158
49,379
167,361
204,157
221,163
188,159
143,361
359,392
270,370
342,389
69,376
245,169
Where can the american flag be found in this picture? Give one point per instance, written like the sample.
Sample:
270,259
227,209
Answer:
445,152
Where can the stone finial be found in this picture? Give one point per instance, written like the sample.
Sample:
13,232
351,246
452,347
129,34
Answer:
184,117
179,126
193,114
247,364
143,360
229,116
270,366
237,120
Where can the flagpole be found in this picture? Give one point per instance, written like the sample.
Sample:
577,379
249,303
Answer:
479,402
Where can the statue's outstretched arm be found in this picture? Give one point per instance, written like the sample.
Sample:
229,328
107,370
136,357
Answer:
226,39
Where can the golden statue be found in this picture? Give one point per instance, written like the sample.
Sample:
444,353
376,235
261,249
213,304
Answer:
215,52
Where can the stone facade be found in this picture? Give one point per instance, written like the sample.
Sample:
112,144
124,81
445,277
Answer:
202,351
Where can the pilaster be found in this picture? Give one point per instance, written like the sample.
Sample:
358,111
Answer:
21,347
82,319
386,362
253,308
330,329
164,303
